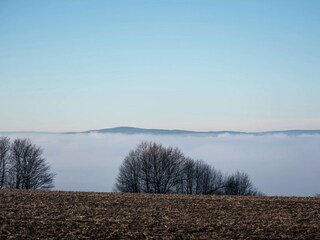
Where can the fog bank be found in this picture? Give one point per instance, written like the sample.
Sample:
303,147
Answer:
277,164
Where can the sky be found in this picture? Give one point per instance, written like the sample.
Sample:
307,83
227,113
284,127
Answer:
199,65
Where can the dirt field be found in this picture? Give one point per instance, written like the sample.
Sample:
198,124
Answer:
79,215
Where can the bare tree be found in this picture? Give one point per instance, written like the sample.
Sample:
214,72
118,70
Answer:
128,179
4,160
28,169
153,168
240,184
150,168
187,179
200,178
166,167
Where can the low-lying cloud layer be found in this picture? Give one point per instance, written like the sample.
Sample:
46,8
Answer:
277,164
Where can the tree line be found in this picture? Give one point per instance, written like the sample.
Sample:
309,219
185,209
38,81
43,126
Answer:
153,168
149,168
22,165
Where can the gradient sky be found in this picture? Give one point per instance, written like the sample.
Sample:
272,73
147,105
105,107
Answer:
200,65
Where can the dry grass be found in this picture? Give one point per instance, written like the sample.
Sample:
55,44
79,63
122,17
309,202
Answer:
80,215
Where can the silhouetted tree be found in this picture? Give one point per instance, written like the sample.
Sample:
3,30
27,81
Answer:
4,160
240,184
128,179
28,169
150,168
200,178
153,168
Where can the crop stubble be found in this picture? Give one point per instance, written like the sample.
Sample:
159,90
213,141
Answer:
84,215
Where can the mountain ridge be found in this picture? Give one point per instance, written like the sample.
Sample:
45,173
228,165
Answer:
154,131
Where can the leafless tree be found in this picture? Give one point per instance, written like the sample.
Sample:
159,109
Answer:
28,169
240,184
166,167
200,178
153,168
4,160
128,179
150,168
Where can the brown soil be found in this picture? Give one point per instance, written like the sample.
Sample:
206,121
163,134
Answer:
83,215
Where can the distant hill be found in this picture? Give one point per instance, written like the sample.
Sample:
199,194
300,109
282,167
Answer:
133,130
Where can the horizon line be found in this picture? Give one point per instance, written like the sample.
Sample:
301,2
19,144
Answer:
157,129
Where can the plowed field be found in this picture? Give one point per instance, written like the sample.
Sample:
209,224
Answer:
82,215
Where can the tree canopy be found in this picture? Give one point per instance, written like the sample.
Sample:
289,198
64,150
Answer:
154,168
22,165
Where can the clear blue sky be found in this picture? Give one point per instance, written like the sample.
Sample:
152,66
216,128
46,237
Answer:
201,65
